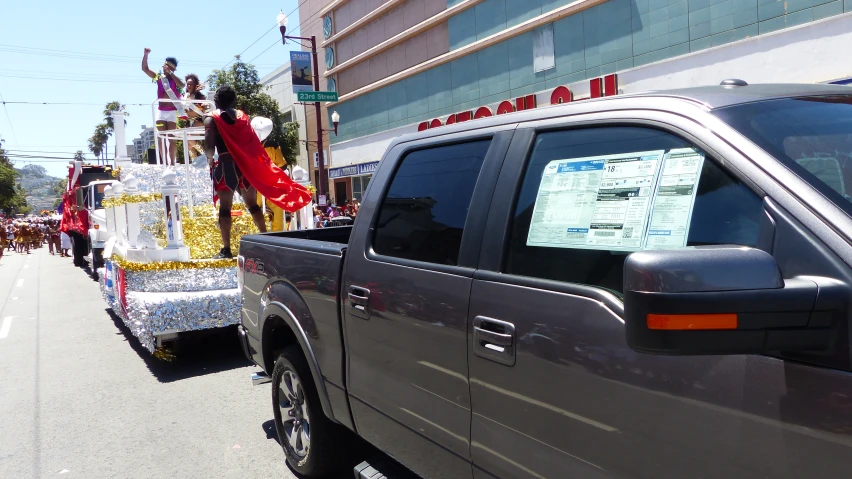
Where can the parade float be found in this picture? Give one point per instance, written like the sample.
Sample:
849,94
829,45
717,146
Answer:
159,274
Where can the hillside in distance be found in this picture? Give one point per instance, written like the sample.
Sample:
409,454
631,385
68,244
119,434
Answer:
43,190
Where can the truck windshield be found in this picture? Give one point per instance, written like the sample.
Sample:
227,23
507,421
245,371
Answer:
810,135
99,195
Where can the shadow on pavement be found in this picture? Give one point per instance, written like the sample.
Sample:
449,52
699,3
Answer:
362,451
200,353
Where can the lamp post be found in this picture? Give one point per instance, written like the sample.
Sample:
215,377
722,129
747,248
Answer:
322,187
335,119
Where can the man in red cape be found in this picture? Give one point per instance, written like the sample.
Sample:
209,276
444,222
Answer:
243,166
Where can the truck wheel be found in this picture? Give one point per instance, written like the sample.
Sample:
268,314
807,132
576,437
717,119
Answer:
314,446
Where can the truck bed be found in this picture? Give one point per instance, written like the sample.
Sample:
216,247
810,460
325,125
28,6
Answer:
339,234
300,269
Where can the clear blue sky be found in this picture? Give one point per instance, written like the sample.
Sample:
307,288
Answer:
90,52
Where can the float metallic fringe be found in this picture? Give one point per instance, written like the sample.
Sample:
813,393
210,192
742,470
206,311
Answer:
173,265
201,233
193,181
174,281
150,315
126,198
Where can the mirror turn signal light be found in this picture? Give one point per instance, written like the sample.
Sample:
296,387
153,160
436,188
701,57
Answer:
691,322
97,226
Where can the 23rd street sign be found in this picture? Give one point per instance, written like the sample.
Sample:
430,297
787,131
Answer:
309,96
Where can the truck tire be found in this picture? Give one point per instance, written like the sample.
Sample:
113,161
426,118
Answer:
314,445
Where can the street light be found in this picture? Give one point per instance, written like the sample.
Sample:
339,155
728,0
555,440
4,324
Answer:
335,119
322,187
282,26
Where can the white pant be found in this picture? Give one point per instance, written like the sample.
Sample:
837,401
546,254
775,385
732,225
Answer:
165,116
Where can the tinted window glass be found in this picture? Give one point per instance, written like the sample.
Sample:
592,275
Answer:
423,215
811,135
725,211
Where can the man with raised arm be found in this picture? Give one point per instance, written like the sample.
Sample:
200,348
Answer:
243,166
168,88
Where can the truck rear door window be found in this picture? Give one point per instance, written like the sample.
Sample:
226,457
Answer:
591,196
422,217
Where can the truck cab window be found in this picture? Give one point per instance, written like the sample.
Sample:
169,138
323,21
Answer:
423,215
635,188
810,135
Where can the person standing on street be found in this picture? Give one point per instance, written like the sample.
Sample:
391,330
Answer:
168,88
2,239
10,235
65,243
53,237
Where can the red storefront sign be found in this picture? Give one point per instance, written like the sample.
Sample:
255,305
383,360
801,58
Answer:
598,87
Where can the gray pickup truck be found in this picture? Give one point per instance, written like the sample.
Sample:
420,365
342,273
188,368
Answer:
644,286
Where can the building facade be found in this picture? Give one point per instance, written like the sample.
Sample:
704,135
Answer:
142,143
405,65
279,85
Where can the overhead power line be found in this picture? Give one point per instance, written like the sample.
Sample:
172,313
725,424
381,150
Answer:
14,151
89,80
94,56
267,33
14,155
9,119
66,103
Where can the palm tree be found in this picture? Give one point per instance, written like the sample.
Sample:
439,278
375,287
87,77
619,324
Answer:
98,141
95,146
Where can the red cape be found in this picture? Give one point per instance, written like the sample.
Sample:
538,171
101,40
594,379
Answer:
257,168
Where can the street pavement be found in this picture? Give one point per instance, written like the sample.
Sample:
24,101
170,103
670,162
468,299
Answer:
79,397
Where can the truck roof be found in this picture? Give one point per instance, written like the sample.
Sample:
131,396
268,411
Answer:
709,97
714,97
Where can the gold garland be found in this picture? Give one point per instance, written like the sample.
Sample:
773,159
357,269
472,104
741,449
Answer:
202,235
116,172
126,198
172,265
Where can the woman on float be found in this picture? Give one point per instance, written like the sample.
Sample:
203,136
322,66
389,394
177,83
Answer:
168,87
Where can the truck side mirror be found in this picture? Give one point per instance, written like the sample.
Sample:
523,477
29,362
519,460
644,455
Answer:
726,300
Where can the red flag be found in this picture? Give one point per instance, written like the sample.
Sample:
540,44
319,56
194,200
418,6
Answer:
257,168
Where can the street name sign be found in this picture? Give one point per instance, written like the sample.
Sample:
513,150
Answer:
309,96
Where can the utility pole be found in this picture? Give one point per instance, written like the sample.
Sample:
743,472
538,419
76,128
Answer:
322,187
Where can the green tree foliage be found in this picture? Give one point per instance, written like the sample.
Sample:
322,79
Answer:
59,187
12,196
109,109
79,156
253,101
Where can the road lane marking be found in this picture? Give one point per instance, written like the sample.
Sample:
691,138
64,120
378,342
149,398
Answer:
4,328
20,282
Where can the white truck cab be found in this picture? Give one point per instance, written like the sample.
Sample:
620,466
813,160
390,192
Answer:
98,234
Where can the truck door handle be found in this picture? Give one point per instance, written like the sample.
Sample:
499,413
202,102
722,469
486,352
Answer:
359,302
494,340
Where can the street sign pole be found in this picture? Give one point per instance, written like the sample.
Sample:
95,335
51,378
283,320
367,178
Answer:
322,188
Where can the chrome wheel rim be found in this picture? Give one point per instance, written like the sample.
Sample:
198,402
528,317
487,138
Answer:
294,413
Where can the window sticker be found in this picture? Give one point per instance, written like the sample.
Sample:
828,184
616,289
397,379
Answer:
598,202
674,199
